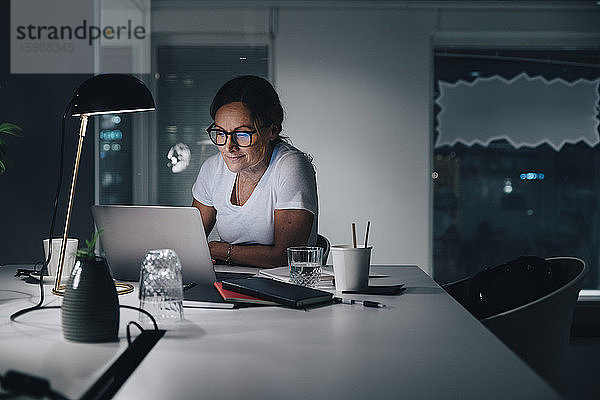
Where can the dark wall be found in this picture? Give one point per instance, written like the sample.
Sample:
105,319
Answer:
583,369
27,188
585,352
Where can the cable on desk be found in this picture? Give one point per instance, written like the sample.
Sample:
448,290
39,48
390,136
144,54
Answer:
143,312
30,309
18,383
27,310
52,223
129,332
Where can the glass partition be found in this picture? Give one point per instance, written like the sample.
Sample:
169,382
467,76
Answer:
516,161
187,78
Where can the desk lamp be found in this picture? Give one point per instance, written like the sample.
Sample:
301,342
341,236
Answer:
102,94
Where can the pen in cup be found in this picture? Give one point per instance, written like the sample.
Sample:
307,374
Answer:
354,241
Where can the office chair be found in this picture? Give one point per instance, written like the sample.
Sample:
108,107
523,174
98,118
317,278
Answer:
323,242
528,303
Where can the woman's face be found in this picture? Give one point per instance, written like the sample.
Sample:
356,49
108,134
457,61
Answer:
236,117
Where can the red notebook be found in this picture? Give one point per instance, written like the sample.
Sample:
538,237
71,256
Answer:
234,297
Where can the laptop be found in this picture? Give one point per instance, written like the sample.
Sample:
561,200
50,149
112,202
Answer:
129,232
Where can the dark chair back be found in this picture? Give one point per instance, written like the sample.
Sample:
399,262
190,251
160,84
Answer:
528,303
323,242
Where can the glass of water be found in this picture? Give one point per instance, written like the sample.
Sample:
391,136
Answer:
161,288
305,264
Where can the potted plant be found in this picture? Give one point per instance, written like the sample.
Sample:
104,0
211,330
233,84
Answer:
89,252
90,308
9,129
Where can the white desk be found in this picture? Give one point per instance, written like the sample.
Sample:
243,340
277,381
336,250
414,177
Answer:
422,346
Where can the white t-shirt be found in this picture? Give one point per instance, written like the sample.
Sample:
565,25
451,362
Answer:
288,183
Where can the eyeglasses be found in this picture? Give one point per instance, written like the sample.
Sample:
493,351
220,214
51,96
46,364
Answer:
219,136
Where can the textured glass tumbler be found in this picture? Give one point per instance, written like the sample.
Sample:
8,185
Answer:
305,265
161,287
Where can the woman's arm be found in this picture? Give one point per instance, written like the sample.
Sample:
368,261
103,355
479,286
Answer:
292,228
208,214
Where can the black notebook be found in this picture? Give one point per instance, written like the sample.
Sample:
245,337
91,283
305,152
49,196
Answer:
283,293
202,296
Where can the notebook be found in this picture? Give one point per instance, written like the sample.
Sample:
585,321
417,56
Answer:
130,231
235,297
283,274
286,294
198,296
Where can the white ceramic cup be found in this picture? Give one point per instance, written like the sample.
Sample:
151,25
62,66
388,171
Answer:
70,254
351,267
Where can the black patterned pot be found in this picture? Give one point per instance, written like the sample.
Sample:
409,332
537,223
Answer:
90,307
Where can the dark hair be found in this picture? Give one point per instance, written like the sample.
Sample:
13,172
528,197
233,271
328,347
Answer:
257,94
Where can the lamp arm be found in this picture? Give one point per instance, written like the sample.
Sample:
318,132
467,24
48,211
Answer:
63,247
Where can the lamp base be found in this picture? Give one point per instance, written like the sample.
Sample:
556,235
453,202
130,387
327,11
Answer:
122,288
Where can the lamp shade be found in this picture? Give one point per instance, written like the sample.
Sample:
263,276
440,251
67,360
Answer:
111,94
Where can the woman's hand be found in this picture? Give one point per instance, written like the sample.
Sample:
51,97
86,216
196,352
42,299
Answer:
292,228
218,250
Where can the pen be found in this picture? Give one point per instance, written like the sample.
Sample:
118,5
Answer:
366,303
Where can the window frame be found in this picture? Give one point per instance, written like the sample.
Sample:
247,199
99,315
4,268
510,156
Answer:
516,40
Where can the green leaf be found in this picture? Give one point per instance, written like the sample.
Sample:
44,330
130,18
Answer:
92,244
2,157
10,129
88,252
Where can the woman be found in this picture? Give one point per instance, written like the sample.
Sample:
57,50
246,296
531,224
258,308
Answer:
259,190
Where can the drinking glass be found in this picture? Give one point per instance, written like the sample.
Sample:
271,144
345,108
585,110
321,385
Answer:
161,287
305,264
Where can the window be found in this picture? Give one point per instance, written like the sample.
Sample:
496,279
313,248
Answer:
115,150
187,79
167,159
516,160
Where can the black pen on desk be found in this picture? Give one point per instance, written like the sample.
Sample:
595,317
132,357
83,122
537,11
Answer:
366,303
